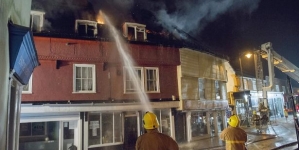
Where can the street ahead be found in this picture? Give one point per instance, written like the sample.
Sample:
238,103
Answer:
277,135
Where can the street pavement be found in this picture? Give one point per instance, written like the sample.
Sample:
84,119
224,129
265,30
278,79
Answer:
279,134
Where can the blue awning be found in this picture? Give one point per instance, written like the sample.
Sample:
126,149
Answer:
22,52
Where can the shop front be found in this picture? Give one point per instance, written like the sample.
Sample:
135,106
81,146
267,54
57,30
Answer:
205,118
89,127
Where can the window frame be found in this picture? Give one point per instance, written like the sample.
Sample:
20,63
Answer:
29,91
93,67
101,144
144,79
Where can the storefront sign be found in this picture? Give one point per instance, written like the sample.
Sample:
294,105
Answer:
204,104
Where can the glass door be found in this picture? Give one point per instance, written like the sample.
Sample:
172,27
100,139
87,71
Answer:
68,140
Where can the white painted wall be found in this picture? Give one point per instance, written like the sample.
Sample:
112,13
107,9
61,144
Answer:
19,12
230,77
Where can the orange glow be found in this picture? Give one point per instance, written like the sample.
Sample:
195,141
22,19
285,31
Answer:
100,18
248,55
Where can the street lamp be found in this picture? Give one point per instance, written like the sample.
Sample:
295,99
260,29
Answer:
248,55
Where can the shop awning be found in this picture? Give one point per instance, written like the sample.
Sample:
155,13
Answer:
22,52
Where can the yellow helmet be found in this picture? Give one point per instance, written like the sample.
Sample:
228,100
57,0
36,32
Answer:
254,112
233,121
150,121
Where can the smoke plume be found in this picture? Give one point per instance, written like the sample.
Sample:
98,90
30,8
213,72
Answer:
192,16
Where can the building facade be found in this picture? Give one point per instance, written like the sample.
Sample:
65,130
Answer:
83,89
202,90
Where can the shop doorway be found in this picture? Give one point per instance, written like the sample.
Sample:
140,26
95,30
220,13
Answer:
130,131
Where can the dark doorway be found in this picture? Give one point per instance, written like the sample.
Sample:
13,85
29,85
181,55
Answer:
180,127
130,131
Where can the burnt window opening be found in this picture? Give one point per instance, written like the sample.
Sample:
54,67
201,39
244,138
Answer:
86,27
134,31
36,20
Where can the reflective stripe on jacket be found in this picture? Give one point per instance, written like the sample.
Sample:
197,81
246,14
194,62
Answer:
235,138
153,140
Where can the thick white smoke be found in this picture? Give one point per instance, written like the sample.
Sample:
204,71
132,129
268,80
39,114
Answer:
193,15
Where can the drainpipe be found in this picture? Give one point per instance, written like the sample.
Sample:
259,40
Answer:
267,47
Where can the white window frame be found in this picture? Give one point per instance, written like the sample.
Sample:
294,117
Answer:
93,78
101,144
29,91
137,28
39,14
144,80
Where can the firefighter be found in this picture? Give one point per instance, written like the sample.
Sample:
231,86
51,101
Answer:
153,139
256,121
233,135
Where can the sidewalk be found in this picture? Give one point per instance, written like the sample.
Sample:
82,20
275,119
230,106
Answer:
278,134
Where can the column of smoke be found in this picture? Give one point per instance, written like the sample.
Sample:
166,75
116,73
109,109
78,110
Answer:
128,63
190,16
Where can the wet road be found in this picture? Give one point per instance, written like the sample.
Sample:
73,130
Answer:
277,135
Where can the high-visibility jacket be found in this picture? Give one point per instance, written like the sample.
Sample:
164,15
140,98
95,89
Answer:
154,140
234,138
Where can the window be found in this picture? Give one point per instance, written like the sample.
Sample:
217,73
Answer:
84,78
163,116
277,89
105,129
147,78
36,20
129,80
134,31
284,89
86,27
27,89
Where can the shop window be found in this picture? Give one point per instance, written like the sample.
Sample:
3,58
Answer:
148,79
27,89
163,116
198,124
35,134
105,129
84,78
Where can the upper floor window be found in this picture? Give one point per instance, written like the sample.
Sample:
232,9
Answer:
277,89
36,20
134,31
27,89
86,27
84,78
147,78
284,89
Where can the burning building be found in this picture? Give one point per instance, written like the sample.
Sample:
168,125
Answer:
83,95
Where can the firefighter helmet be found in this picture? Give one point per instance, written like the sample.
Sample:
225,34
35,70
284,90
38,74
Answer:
254,112
233,121
150,121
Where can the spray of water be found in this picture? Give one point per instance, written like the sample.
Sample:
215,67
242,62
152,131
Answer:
129,63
